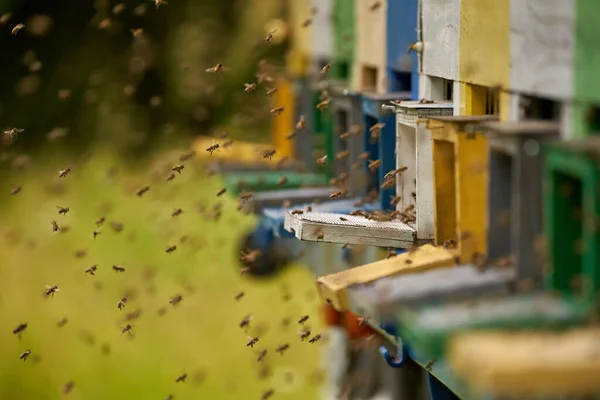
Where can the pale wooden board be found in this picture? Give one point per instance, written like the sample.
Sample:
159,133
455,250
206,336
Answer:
275,198
521,364
441,32
322,30
355,230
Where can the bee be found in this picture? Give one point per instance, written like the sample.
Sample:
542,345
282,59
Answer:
239,295
132,316
91,270
309,209
342,155
159,2
136,33
343,219
15,190
375,5
267,394
344,135
50,290
250,257
277,110
271,92
62,322
261,355
429,365
212,148
388,184
24,355
170,177
306,23
175,299
63,172
227,144
251,341
373,165
217,69
5,17
118,268
96,232
301,124
248,87
178,168
17,28
321,160
246,321
323,105
326,68
336,195
19,330
315,338
303,319
100,221
221,192
126,329
391,253
121,303
418,48
187,156
297,212
319,234
245,196
270,36
171,249
283,180
269,154
181,378
364,156
140,192
291,135
13,133
304,334
282,348
55,227
177,212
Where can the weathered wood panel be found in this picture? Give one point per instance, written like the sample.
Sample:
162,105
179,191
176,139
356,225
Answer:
370,44
322,31
542,47
441,33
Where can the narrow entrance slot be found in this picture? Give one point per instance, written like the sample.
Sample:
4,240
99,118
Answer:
500,198
445,191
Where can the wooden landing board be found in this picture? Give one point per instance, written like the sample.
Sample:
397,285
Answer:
381,300
349,229
332,288
547,364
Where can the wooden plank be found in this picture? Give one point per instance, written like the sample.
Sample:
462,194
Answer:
425,185
322,30
440,28
371,42
349,230
551,365
275,198
332,288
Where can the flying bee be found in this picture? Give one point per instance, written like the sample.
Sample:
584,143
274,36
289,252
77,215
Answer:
55,227
271,91
13,133
245,196
170,177
375,5
375,131
373,165
212,148
221,192
277,110
283,180
297,212
321,160
217,69
345,135
315,338
181,378
291,135
306,23
62,322
282,348
270,36
50,290
96,232
303,319
187,156
140,192
121,303
175,299
261,355
100,221
63,172
178,168
177,212
301,124
171,249
266,395
17,29
248,87
91,270
396,200
326,68
15,190
251,341
126,329
24,355
343,219
388,184
62,210
227,144
118,268
323,105
159,3
19,330
246,321
269,154
239,295
336,195
304,334
364,156
342,155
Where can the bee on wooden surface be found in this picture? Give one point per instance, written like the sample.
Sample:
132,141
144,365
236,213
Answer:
343,219
177,212
364,156
261,355
303,319
336,195
118,268
301,124
250,257
315,338
390,254
342,155
217,69
212,148
221,192
13,133
159,3
321,160
64,172
178,168
175,299
126,329
140,192
187,156
248,87
239,295
375,5
245,323
17,29
297,212
282,180
15,190
269,154
271,92
55,227
277,110
304,334
282,348
19,330
245,196
50,290
323,104
251,341
373,165
344,135
326,68
121,303
24,355
170,177
91,270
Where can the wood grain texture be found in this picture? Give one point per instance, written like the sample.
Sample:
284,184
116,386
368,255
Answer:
441,33
370,43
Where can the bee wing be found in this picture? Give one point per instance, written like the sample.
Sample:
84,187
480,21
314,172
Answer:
225,68
211,69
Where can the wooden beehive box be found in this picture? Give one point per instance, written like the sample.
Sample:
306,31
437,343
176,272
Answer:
370,63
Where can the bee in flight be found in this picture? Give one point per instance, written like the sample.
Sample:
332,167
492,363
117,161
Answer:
13,133
217,69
